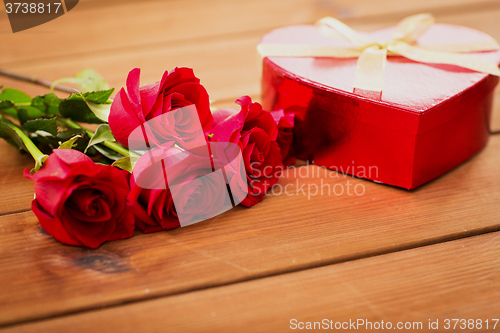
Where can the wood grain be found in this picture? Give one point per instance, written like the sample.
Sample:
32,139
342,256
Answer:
443,281
366,10
16,192
173,22
226,64
42,278
148,23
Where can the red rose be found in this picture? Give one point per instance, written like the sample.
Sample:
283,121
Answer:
199,192
80,202
256,131
177,89
285,136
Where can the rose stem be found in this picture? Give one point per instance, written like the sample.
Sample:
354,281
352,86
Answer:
110,144
37,155
35,80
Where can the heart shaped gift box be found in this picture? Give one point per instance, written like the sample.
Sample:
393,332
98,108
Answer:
429,118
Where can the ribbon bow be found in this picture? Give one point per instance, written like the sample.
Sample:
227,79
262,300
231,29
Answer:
369,77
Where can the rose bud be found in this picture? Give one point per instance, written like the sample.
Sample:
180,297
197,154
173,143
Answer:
285,136
256,131
79,202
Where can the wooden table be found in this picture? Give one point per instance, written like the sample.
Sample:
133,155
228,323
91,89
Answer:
391,255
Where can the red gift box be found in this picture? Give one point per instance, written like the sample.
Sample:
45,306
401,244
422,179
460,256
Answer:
430,117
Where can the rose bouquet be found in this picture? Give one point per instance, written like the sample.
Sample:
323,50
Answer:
159,158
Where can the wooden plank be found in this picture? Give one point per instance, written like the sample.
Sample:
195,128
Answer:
147,23
16,192
380,10
227,65
167,22
457,279
42,278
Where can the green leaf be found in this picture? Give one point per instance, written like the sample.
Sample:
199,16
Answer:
101,111
68,134
78,110
15,96
98,97
103,133
22,115
45,141
87,79
111,154
6,104
14,135
48,104
38,103
7,107
81,143
47,125
52,102
123,163
95,101
9,97
11,136
70,143
26,113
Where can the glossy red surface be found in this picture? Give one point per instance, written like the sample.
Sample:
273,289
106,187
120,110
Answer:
430,119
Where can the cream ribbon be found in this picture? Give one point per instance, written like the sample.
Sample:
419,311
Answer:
372,55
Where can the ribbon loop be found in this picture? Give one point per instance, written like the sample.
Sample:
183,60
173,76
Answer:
345,31
412,27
